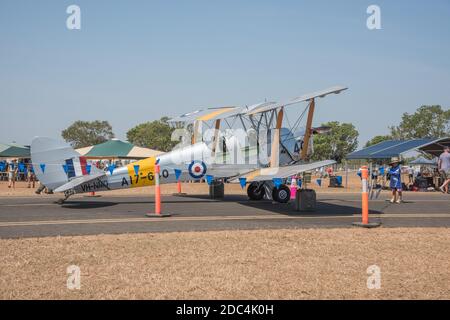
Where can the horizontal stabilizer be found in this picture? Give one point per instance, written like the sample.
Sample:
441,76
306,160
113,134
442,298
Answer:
79,181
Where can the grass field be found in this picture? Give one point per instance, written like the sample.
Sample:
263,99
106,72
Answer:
276,264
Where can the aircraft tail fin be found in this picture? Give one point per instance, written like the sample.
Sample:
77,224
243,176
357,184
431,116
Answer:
55,163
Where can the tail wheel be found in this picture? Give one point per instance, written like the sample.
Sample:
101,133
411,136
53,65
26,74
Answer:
281,194
255,191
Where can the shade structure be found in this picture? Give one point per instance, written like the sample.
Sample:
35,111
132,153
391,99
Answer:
14,151
436,147
388,149
117,149
421,161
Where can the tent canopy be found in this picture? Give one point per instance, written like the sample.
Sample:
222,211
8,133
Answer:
421,161
388,149
116,148
14,151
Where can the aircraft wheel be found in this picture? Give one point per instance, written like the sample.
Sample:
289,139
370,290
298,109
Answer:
255,191
281,194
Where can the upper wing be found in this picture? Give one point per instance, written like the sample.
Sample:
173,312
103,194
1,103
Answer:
285,172
305,97
79,180
207,114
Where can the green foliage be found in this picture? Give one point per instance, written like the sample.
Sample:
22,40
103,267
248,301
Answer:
86,133
426,122
153,135
340,141
377,139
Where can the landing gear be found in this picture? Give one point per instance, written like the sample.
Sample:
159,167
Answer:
282,194
67,194
255,191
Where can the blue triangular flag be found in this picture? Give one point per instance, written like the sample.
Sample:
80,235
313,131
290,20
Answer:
177,174
111,168
136,169
209,179
88,168
319,182
242,182
65,167
299,183
42,165
277,182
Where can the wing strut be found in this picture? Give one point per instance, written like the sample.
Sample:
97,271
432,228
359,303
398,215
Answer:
216,137
275,152
308,130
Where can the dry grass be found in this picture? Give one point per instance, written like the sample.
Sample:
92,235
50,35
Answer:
275,264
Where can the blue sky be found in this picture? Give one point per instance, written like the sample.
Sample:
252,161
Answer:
135,61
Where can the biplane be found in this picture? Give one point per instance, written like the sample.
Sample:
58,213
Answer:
247,145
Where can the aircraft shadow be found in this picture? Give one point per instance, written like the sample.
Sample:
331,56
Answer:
322,209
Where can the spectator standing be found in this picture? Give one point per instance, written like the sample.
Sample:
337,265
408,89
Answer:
12,174
444,168
395,173
31,177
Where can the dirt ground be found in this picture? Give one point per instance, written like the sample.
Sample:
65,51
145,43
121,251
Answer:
276,264
21,190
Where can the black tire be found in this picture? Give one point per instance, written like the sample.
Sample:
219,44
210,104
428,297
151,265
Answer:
255,191
281,194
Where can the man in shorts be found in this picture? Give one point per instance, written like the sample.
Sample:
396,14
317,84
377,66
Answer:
395,173
444,168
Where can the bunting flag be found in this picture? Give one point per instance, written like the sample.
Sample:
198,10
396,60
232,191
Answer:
319,182
277,182
299,183
65,167
243,182
42,165
209,179
177,174
136,169
111,168
88,168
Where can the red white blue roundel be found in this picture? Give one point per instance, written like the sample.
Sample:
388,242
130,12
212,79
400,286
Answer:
197,169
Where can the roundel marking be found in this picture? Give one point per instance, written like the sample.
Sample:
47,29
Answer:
197,169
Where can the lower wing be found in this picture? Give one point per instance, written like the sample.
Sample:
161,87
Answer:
266,174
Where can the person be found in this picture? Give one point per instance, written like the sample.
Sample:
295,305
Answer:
12,174
444,168
411,175
31,177
395,173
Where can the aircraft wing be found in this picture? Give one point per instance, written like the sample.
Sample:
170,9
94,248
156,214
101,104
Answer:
285,172
208,114
305,97
78,181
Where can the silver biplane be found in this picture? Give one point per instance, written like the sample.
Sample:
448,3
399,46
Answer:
248,145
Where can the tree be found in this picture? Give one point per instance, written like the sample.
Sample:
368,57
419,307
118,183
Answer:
155,135
377,139
340,141
86,133
426,122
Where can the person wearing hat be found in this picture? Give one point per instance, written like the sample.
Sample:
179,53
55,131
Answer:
395,173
